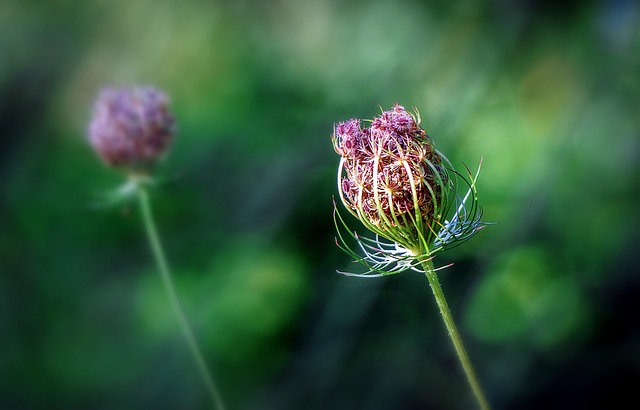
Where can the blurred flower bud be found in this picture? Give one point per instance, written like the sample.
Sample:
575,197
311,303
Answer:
131,128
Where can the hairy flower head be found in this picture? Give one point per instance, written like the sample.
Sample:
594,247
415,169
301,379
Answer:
395,182
131,128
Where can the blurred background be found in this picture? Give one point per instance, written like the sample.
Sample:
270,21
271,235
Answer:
546,93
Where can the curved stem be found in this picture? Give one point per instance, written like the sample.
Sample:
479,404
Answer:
165,273
432,276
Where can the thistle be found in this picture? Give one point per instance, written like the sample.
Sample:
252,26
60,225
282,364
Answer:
395,182
131,130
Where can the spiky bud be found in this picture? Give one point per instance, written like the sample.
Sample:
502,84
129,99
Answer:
395,182
131,128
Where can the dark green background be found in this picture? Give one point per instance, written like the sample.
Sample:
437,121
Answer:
546,300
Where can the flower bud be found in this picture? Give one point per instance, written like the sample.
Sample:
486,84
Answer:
391,177
395,182
131,128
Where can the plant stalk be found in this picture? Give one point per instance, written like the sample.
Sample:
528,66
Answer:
165,274
432,276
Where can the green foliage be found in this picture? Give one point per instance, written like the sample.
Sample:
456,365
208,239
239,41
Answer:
245,300
526,298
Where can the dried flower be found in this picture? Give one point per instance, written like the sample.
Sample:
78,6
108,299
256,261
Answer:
395,182
131,128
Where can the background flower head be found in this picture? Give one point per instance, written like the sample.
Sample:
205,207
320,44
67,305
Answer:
131,128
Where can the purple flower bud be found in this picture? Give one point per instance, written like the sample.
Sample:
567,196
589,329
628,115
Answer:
397,120
391,176
131,128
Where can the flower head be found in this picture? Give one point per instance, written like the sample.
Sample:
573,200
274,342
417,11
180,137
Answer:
396,183
131,128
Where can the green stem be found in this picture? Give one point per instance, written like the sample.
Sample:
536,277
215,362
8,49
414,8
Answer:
432,276
165,273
